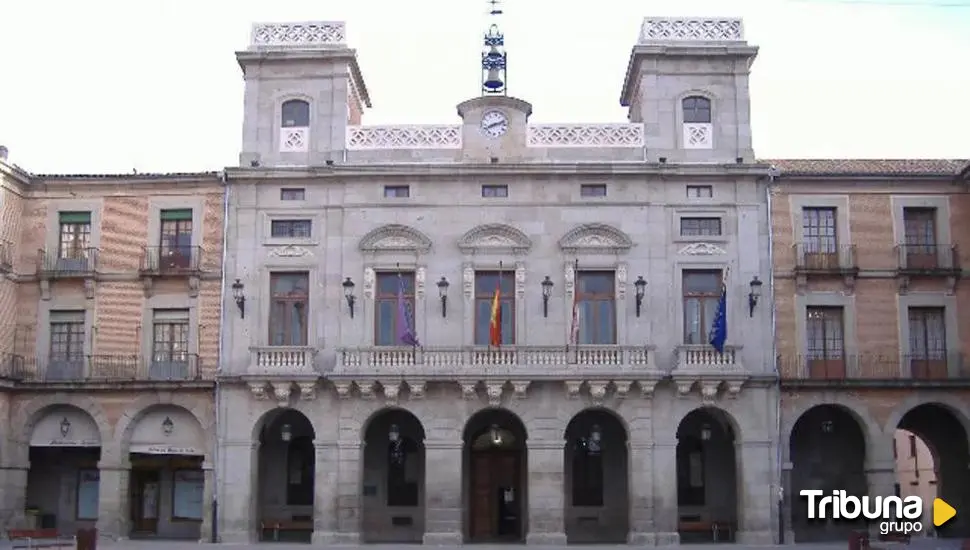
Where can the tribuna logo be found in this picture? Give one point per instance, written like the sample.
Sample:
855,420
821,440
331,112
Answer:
894,514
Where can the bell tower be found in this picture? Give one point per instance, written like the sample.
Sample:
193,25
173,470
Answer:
494,125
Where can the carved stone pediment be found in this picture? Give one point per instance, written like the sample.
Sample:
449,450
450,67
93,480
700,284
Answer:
595,237
701,249
494,238
395,238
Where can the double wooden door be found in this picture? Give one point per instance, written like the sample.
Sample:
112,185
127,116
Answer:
495,501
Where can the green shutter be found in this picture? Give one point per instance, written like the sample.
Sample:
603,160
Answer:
183,214
75,217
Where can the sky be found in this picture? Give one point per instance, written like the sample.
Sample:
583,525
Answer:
111,86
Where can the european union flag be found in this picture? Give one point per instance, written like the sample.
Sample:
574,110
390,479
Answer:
719,330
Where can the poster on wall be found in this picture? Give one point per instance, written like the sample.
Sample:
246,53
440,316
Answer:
88,484
188,494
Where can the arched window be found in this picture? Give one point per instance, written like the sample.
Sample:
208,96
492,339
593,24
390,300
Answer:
295,114
697,110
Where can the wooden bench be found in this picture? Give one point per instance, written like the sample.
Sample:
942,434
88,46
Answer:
282,525
715,528
39,538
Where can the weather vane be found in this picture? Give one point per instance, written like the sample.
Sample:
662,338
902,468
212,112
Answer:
494,57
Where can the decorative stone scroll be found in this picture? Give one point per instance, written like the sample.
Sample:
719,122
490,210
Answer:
468,281
495,238
420,274
519,281
395,238
370,278
701,249
595,238
621,273
289,251
569,283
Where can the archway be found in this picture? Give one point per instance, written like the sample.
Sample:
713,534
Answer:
64,482
707,492
931,451
166,486
596,478
392,491
285,485
495,477
828,452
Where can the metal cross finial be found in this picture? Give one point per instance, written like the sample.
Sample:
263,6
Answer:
495,10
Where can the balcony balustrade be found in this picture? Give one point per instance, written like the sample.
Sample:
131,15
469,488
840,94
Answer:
286,360
812,258
927,259
507,360
926,369
692,359
104,368
171,260
67,263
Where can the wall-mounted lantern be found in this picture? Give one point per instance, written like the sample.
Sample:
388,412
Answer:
443,285
754,295
240,297
705,433
394,433
349,285
547,285
286,433
65,427
828,426
641,289
168,426
496,435
595,442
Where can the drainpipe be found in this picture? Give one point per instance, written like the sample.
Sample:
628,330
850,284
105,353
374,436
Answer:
774,358
216,450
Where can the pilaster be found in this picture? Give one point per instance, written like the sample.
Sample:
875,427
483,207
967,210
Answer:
113,509
13,495
756,492
349,454
324,490
881,475
237,492
641,488
208,490
665,492
546,476
443,492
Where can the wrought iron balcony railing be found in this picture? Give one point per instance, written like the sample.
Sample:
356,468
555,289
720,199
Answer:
6,256
932,366
63,263
108,368
820,258
927,259
171,260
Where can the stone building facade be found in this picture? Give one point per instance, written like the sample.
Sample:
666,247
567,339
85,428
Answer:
345,240
109,339
871,315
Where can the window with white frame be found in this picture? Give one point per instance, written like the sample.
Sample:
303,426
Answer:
697,118
294,126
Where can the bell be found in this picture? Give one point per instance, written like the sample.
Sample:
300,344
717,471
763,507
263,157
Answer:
493,81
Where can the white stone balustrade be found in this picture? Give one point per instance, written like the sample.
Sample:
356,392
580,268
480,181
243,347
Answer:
486,361
585,135
418,136
691,29
704,358
282,360
298,35
437,136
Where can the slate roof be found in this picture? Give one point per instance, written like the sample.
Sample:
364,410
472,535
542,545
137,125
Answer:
868,167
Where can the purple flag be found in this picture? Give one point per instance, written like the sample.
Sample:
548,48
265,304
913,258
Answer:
405,323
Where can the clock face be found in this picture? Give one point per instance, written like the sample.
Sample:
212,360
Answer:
494,124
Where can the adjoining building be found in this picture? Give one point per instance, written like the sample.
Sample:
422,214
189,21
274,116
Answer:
370,393
109,335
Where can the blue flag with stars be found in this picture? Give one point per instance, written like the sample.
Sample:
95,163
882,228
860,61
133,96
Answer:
719,331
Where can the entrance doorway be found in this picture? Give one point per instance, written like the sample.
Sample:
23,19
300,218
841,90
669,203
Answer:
496,481
145,490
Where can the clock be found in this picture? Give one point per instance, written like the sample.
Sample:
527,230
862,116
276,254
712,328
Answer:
494,124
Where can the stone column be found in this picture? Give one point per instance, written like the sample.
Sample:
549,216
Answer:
238,491
325,496
665,516
113,492
787,498
349,455
208,490
881,477
13,495
640,465
443,492
757,491
546,484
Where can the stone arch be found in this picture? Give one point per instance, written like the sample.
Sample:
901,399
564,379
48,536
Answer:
951,404
495,238
857,408
267,419
395,238
595,237
368,423
38,407
148,403
725,420
614,415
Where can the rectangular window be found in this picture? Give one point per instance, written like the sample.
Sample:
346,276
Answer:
819,230
88,492
495,191
75,236
700,227
596,301
187,494
927,342
486,282
700,191
293,194
587,477
170,335
920,226
289,302
912,446
175,238
402,472
701,295
67,334
592,190
291,229
394,308
826,341
397,191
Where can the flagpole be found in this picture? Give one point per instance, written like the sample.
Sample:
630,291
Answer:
498,291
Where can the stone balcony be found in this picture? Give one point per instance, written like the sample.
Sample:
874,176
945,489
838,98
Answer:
704,366
282,360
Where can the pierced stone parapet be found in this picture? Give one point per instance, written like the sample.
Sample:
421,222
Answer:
418,136
585,135
302,35
691,29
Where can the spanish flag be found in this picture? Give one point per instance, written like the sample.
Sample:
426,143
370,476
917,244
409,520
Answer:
495,324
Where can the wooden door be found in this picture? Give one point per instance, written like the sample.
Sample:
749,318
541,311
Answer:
483,513
146,490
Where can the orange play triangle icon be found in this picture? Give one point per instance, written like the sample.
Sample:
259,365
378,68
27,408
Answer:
942,512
